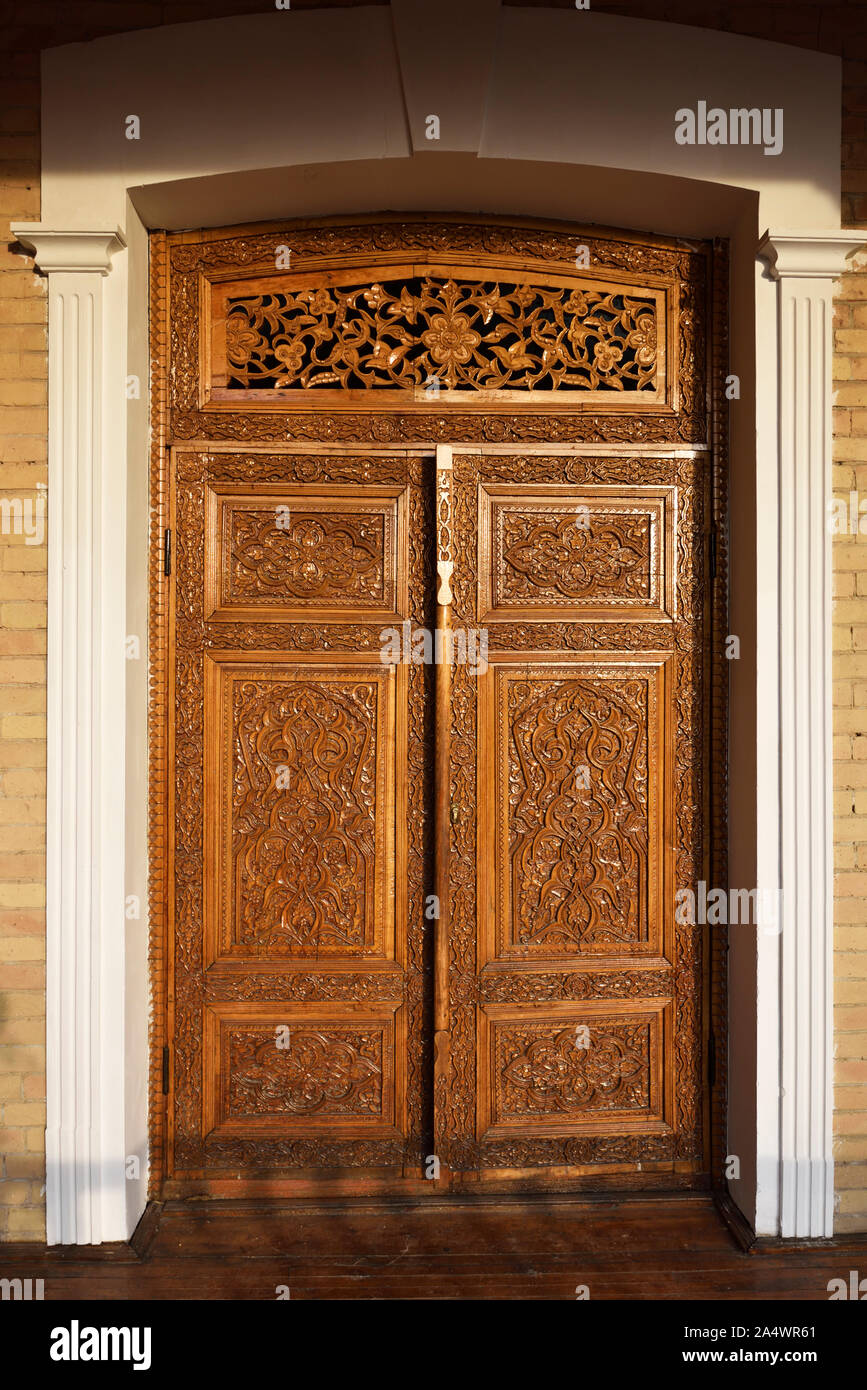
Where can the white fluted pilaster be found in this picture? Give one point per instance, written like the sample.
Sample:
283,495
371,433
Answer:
85,1193
804,267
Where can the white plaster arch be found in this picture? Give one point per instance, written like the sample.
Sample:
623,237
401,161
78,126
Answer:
319,112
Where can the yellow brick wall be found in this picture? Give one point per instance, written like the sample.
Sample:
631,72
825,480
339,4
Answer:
23,459
850,756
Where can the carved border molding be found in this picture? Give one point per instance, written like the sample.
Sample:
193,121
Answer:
682,271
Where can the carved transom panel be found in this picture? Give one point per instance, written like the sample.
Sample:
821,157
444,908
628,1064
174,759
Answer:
439,332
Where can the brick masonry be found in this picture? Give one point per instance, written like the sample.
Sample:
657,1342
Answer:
24,31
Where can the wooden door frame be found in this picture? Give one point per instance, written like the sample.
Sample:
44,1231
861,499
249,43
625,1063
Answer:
714,986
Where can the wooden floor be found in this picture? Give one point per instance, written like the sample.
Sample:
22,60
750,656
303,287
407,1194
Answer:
647,1248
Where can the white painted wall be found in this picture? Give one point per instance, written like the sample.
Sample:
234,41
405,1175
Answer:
293,88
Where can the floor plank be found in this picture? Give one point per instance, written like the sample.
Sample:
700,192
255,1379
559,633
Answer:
636,1248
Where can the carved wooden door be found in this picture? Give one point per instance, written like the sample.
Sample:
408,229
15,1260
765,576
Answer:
574,1025
414,919
301,832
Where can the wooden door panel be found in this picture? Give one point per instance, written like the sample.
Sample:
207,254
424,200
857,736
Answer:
581,553
572,831
572,1068
299,809
333,1073
288,553
583,814
301,842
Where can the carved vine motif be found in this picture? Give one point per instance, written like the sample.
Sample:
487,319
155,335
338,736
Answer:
333,1073
549,252
578,814
271,1157
456,1104
303,816
313,555
541,1071
309,987
473,336
601,1149
495,988
553,557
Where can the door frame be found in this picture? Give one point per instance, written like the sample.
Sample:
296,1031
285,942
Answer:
164,452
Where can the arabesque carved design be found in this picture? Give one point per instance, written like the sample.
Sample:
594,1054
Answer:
545,1070
304,815
333,1072
466,336
578,813
307,556
557,558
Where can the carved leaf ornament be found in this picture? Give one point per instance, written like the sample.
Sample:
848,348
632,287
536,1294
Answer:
468,336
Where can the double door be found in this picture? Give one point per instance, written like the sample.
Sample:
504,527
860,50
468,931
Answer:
437,755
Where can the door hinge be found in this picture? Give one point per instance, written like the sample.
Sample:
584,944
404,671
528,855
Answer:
713,554
165,1071
167,551
711,1061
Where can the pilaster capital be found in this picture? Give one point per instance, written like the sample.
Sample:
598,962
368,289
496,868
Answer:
808,255
75,251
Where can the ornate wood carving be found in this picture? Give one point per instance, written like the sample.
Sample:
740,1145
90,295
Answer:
665,285
603,626
419,331
575,828
287,852
288,553
333,1072
304,816
542,1070
312,556
558,559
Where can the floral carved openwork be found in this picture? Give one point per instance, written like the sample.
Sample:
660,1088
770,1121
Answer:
438,333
